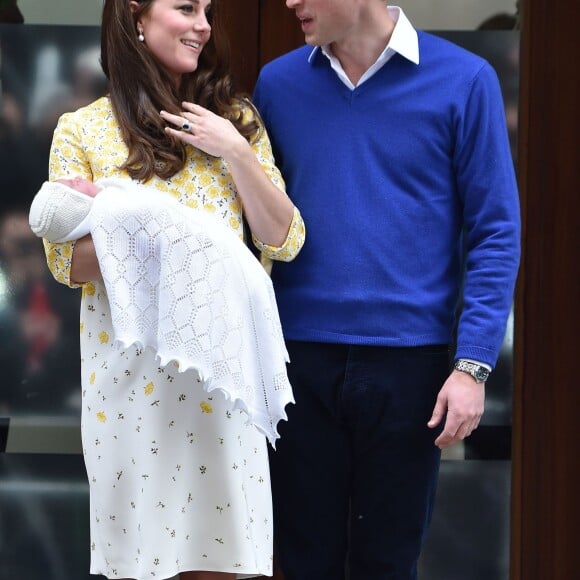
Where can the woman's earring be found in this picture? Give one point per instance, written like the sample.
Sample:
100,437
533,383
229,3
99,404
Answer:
141,37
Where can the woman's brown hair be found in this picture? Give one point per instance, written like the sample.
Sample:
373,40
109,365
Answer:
140,87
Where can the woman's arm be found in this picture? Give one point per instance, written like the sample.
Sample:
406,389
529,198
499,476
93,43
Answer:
267,208
74,262
84,263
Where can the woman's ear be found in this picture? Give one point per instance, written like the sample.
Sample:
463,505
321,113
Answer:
134,5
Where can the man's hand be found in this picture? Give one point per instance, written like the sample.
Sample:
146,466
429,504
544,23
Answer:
462,400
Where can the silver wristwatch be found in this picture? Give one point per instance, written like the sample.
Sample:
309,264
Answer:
478,372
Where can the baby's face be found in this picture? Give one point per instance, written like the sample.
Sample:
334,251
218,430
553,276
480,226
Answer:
81,184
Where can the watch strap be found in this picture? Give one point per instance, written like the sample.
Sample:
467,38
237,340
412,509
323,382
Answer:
478,371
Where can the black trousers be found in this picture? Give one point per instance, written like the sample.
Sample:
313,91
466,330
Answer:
354,473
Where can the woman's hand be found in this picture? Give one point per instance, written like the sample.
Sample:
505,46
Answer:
205,130
268,209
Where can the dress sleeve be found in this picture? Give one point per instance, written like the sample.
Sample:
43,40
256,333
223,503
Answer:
67,159
292,244
297,230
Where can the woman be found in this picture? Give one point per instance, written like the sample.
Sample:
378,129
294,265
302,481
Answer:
179,483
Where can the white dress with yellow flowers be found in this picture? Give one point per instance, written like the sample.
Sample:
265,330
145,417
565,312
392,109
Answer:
178,481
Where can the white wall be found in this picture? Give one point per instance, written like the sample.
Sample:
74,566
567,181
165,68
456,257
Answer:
426,14
61,11
453,14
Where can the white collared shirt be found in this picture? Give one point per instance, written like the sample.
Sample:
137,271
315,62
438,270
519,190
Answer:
404,41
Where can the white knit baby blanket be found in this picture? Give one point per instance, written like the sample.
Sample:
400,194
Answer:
181,283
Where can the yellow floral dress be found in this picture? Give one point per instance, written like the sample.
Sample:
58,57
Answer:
177,479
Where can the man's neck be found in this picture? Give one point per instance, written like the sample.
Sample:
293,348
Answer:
360,51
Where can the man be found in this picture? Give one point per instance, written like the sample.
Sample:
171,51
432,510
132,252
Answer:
393,145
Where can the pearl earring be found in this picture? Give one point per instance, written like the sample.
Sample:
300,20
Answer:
141,37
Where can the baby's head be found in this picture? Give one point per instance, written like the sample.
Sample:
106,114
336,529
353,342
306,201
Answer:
80,184
60,206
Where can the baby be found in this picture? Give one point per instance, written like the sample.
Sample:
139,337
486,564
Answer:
59,211
205,302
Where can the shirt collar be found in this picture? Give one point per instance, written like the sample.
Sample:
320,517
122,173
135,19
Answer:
404,39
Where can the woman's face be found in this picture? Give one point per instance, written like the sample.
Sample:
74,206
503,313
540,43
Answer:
176,31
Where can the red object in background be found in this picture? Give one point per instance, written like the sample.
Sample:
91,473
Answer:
39,316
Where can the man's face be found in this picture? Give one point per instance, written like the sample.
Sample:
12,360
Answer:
327,21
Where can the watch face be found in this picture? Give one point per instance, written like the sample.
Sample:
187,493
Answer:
481,374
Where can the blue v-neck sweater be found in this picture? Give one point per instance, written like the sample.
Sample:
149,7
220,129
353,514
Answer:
407,189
